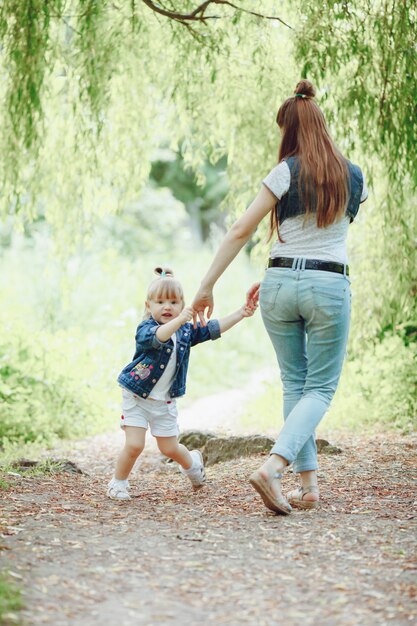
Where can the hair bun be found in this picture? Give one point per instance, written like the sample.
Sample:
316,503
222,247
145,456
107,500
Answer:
163,271
305,88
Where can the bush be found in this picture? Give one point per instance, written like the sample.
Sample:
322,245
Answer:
41,397
379,387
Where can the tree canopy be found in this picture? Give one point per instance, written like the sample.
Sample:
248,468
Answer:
93,88
364,54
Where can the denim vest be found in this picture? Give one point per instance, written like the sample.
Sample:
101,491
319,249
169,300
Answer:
152,355
290,204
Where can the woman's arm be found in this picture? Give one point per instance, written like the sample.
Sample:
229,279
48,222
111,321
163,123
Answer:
233,242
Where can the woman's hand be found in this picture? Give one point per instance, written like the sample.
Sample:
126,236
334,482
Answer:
203,300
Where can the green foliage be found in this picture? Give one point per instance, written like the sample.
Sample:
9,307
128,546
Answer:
379,389
364,53
39,400
24,31
95,45
384,282
112,81
10,600
201,202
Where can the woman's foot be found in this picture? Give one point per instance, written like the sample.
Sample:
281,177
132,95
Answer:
304,497
267,483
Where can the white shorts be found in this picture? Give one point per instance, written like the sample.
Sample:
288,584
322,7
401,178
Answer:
160,415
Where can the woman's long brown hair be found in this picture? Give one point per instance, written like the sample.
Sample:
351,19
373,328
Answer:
323,177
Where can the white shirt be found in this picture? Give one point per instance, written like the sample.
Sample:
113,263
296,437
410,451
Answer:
301,235
162,387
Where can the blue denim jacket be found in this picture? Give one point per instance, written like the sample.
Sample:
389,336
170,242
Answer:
152,356
290,205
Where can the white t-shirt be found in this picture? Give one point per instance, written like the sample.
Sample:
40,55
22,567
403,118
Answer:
301,235
162,387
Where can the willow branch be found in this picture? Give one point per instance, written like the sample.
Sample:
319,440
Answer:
198,15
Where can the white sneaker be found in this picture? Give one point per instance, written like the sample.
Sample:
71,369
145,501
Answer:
196,473
118,489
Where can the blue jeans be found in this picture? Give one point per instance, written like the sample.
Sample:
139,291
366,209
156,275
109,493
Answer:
306,314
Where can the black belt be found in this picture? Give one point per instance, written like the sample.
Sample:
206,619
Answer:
310,264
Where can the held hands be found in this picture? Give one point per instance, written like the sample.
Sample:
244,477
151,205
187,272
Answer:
203,300
252,295
249,308
186,315
252,299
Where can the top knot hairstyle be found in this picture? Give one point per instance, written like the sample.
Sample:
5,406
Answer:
304,89
163,271
323,179
165,287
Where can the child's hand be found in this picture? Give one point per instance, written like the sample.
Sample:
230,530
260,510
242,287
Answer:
248,310
252,295
186,315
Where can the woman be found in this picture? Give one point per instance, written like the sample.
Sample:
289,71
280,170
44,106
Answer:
311,195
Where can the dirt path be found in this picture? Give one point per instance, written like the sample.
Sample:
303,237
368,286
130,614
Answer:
222,411
173,557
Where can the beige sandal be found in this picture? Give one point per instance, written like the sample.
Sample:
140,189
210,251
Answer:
296,497
263,487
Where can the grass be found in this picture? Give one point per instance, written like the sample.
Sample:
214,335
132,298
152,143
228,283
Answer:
4,484
10,601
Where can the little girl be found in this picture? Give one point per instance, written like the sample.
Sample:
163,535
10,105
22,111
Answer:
157,375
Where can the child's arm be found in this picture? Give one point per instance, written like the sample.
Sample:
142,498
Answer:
247,310
214,328
166,331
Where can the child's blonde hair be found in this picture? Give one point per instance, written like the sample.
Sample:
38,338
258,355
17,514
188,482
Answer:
164,287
